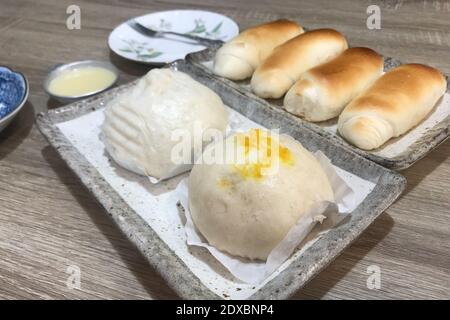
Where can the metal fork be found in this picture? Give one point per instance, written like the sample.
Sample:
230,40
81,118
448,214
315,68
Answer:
160,34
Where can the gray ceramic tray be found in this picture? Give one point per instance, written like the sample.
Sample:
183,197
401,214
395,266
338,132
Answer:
388,186
433,136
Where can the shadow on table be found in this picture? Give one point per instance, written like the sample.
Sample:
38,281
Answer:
53,104
320,285
425,166
19,128
136,263
129,67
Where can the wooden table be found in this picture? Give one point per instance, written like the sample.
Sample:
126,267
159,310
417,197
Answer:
48,221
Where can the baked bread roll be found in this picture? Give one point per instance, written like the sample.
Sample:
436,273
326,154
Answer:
238,58
395,103
246,208
322,92
288,61
139,124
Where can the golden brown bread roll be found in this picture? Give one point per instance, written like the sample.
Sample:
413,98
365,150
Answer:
322,92
238,58
395,103
288,61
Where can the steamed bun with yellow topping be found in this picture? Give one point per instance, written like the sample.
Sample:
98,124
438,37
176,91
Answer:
246,206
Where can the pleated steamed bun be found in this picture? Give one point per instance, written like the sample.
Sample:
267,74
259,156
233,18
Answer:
247,206
138,125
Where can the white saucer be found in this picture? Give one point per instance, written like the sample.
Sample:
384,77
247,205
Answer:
129,44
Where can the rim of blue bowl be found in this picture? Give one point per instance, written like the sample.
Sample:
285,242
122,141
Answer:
24,98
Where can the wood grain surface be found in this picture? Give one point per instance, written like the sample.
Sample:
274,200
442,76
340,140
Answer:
48,221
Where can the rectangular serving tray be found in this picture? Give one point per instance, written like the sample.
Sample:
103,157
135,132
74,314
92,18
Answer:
389,186
433,136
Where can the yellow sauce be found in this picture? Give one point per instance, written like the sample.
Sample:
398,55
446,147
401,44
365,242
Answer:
81,81
258,153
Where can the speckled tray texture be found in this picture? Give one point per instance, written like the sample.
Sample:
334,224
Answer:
397,154
388,186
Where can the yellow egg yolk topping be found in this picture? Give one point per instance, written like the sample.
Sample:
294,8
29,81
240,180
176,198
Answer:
262,153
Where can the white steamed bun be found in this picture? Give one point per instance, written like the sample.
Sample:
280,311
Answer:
138,125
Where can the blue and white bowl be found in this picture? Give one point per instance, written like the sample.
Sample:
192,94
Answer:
13,95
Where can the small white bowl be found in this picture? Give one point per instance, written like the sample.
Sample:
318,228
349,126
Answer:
60,68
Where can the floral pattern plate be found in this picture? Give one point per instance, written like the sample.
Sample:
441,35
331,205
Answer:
131,45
